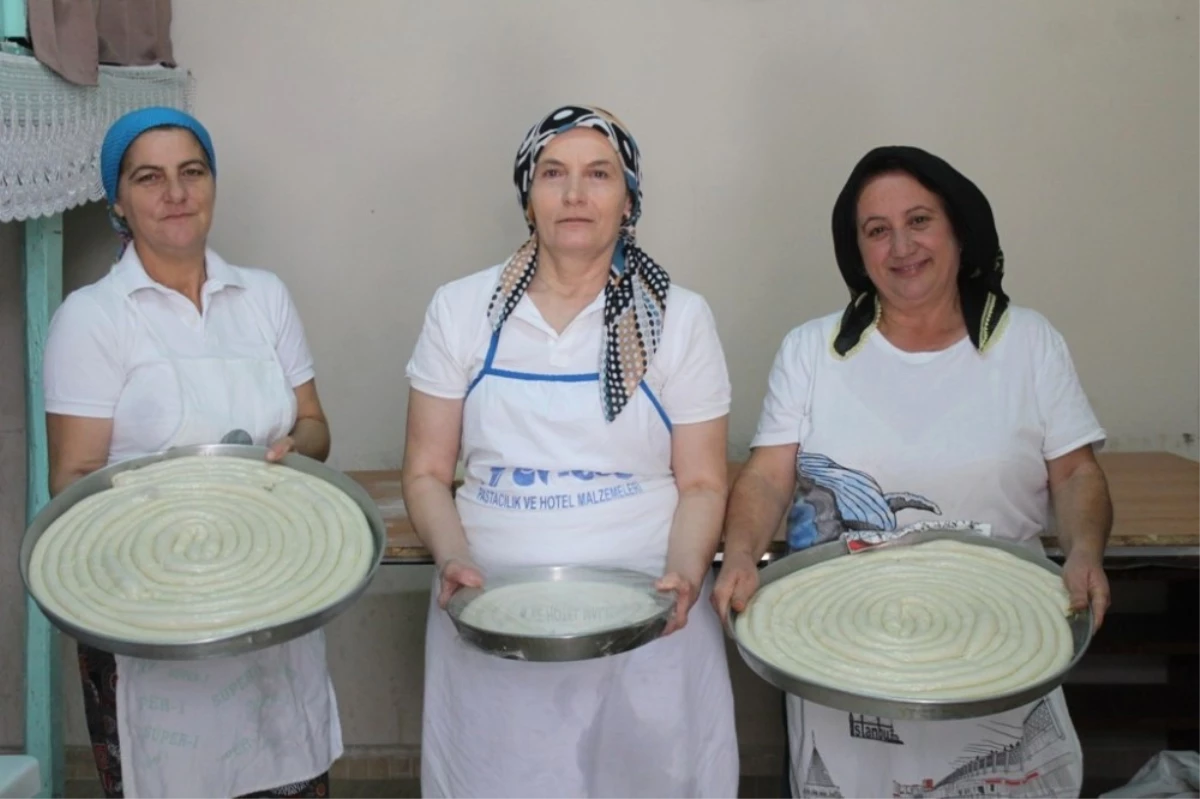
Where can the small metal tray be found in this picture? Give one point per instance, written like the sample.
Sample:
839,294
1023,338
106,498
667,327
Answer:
560,648
910,709
205,648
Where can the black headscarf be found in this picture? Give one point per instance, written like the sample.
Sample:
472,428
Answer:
981,266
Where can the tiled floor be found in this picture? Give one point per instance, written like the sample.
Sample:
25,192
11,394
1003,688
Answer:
377,789
760,787
750,788
341,789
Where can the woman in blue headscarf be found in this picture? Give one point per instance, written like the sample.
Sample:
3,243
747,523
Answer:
175,347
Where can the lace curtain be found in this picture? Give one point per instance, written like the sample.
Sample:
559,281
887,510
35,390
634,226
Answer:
51,130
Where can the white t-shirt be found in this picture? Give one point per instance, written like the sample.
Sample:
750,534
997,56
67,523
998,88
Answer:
890,437
101,361
687,373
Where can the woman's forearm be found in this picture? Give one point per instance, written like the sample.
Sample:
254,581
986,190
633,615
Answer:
759,499
310,437
1083,511
62,479
695,532
434,517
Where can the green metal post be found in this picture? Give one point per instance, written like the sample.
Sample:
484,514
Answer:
42,275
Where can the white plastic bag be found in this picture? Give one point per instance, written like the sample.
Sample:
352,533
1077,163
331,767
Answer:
1167,774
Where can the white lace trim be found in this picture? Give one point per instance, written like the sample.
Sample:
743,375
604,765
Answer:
51,130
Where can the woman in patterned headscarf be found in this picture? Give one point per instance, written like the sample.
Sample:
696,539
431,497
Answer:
588,395
929,397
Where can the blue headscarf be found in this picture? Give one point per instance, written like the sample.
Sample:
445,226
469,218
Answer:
125,131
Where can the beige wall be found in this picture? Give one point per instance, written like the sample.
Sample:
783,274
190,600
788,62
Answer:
366,158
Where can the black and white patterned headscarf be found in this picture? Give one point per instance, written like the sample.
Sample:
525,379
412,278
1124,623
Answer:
635,297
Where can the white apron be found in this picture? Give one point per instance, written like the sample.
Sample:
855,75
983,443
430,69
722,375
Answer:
548,481
235,725
868,461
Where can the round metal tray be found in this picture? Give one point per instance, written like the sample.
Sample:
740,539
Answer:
560,648
203,649
911,709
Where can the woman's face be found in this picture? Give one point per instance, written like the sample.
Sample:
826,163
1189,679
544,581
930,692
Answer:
578,198
166,191
907,242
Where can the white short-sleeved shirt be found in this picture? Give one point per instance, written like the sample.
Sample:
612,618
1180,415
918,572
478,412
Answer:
890,437
688,372
101,361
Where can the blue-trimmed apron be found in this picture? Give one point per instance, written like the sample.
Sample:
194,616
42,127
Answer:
549,481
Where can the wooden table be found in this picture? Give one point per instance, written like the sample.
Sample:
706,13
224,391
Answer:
1156,500
1156,536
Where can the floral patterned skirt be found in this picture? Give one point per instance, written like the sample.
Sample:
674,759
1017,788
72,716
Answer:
98,669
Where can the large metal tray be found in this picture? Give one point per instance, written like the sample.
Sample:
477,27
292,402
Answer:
204,649
560,648
912,709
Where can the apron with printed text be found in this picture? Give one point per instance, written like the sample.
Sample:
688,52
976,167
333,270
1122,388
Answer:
549,481
266,721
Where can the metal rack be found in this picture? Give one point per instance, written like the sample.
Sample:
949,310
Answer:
41,277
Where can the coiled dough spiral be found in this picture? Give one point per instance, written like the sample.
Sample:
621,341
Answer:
200,548
938,620
559,608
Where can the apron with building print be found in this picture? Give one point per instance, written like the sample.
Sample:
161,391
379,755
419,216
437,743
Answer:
884,460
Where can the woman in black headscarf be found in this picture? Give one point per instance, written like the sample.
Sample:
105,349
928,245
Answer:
929,397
